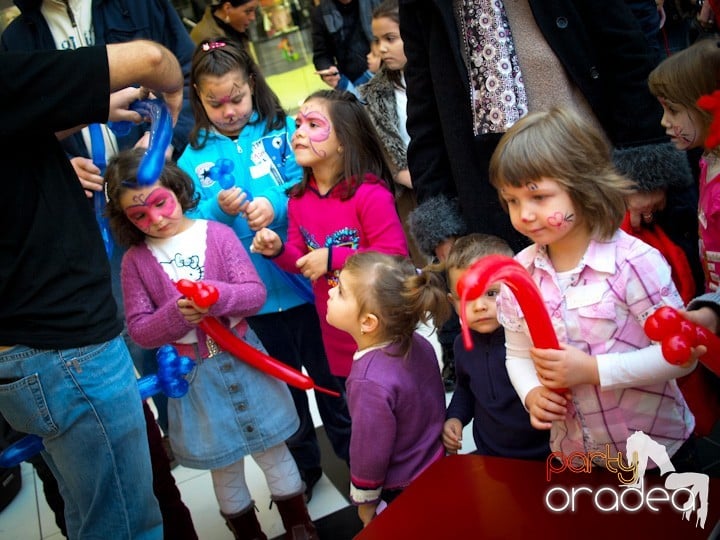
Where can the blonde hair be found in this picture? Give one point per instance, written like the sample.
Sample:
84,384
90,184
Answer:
688,74
390,287
560,145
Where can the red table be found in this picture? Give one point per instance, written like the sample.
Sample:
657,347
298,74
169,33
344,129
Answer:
469,497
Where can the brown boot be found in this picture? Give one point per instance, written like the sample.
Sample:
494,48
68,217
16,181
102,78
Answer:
244,524
295,518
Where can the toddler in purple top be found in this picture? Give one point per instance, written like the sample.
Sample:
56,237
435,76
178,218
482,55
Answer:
394,390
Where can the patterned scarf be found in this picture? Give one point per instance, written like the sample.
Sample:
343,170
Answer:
498,98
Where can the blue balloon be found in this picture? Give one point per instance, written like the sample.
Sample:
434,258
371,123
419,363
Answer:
153,161
97,148
221,172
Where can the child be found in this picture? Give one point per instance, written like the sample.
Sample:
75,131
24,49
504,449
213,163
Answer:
678,82
342,205
239,118
483,392
395,392
231,409
386,101
555,177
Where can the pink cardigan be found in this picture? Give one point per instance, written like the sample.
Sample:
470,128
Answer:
153,318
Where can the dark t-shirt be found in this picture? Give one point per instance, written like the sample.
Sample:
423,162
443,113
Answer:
54,273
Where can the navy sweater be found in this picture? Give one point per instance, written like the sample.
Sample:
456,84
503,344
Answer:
483,393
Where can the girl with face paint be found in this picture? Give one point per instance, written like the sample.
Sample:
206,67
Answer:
344,204
678,82
554,175
239,120
165,245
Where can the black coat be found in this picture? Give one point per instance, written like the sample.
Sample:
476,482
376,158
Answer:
600,45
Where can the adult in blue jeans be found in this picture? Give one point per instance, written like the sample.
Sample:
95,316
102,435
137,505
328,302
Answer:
65,372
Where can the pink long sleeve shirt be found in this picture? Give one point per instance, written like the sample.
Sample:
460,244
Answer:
367,221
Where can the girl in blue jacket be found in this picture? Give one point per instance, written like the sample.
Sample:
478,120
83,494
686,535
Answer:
241,162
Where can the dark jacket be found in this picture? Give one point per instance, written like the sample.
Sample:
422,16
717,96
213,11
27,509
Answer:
114,21
485,395
334,44
603,51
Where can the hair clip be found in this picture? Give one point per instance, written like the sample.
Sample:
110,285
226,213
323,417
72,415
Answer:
213,45
418,271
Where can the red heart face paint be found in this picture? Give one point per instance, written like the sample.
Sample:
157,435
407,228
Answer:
541,210
151,209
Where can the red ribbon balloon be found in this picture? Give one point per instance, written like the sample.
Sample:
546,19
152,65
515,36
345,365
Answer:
677,335
204,295
495,268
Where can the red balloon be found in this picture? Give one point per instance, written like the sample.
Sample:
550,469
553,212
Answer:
677,335
676,349
205,295
494,268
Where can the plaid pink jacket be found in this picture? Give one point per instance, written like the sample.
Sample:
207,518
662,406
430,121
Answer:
617,284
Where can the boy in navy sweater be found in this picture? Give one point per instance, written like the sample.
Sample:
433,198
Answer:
484,394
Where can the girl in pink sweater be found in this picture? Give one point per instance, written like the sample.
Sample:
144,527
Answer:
343,205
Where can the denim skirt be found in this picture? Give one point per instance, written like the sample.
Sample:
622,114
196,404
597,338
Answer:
230,410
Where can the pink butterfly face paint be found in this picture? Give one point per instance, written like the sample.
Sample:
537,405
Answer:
682,125
314,126
150,207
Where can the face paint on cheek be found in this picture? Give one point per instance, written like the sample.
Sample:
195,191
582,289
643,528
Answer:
318,133
560,219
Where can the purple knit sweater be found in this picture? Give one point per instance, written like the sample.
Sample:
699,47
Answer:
151,311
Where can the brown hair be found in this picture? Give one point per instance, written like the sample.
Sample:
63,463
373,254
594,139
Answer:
217,57
560,145
688,74
390,9
121,176
363,151
390,287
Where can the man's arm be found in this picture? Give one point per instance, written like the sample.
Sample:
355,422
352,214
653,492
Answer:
150,65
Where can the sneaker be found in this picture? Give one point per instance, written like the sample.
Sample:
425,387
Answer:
310,477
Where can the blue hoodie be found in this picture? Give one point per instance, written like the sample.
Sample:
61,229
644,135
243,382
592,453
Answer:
264,166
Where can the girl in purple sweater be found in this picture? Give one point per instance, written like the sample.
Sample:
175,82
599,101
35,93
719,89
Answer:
395,392
343,205
231,409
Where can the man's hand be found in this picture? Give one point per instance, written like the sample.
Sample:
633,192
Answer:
330,76
88,174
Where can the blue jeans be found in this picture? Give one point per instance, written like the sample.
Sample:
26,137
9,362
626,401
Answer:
85,404
294,338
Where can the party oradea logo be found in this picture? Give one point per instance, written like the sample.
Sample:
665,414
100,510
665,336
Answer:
683,492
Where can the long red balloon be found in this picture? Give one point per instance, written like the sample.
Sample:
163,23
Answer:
500,268
494,268
677,335
204,295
